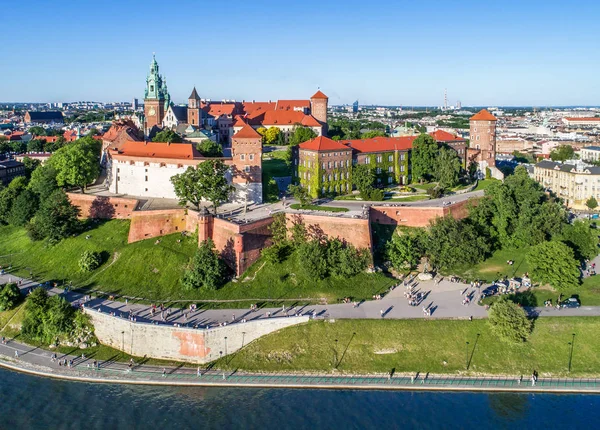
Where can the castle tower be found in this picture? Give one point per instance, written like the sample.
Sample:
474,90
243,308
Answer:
483,138
194,117
155,98
246,152
318,108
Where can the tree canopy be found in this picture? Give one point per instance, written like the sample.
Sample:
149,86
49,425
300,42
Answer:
56,218
509,321
208,148
168,136
77,164
206,181
405,249
563,153
447,168
363,178
300,134
554,263
205,269
423,158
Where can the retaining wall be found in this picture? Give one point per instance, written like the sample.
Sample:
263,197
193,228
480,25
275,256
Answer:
417,216
182,344
103,207
354,231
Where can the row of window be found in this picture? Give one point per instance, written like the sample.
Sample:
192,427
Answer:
250,157
379,158
337,189
335,154
335,176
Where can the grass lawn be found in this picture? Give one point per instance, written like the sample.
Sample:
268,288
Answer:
318,208
275,166
424,187
348,197
437,346
408,198
485,183
152,272
495,267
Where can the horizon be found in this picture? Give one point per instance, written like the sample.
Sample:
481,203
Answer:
482,54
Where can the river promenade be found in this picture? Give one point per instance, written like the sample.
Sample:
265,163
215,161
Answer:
39,362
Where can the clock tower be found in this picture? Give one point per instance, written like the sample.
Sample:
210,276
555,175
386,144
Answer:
156,98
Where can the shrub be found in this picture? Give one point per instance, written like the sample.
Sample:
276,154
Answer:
509,321
9,296
90,260
206,269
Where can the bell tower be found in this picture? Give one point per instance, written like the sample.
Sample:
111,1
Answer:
194,117
156,97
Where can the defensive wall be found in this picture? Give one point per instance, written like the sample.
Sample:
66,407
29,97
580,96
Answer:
182,344
417,216
352,230
103,207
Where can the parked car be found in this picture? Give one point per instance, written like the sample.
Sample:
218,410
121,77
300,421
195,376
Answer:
491,290
571,302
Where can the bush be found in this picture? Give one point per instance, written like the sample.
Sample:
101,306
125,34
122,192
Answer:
436,192
206,269
509,321
90,260
375,195
313,256
9,296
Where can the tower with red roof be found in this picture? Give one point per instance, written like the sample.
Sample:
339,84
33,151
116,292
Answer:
483,142
318,108
246,154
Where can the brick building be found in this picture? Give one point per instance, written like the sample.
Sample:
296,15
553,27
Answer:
457,143
246,154
482,148
324,166
49,117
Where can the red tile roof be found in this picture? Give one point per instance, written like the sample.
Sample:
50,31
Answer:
583,119
247,132
381,144
291,104
218,109
322,143
277,117
319,95
159,150
483,115
257,107
444,136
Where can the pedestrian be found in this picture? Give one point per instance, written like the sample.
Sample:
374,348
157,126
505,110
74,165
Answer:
164,374
16,354
381,313
198,372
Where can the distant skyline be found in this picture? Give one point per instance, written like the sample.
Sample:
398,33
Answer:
511,53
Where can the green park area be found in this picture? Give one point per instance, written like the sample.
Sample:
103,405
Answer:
436,346
152,271
274,164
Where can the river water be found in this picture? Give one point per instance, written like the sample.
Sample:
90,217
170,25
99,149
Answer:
28,402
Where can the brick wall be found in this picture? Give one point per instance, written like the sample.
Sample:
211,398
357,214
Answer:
147,224
103,207
354,231
417,216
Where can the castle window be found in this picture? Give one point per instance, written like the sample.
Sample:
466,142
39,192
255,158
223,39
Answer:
329,178
390,169
402,157
390,179
247,169
402,168
323,178
378,170
379,159
347,175
347,163
391,158
323,190
323,165
367,160
329,165
146,178
242,157
335,164
335,176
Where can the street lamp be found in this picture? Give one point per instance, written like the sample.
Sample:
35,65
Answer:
335,357
225,347
123,341
571,344
243,336
467,356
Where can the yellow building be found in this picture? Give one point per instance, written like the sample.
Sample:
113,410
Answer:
574,182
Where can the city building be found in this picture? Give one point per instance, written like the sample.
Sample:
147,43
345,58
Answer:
47,117
457,143
590,153
10,169
482,147
583,122
324,166
355,107
575,182
156,98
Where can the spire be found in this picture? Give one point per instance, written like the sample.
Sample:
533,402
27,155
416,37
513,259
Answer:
194,95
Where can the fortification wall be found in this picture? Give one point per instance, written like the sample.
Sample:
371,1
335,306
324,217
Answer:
354,231
148,224
103,207
417,216
182,344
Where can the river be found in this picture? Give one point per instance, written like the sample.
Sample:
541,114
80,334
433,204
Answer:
28,402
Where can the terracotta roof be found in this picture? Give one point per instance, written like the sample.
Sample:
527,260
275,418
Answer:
280,117
381,144
319,95
239,121
444,136
48,139
194,95
247,132
292,104
322,143
218,109
256,107
483,115
159,150
119,133
583,119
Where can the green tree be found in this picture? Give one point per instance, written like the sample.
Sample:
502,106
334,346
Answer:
554,263
563,153
582,239
208,148
344,260
30,165
205,182
56,145
298,231
89,261
591,203
363,178
404,250
447,168
313,256
35,145
43,181
18,146
373,133
36,130
300,194
9,296
35,309
4,145
301,134
23,208
278,229
77,164
56,218
8,196
271,136
206,269
167,136
423,158
509,321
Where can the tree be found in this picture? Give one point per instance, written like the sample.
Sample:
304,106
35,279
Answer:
9,296
35,145
591,203
56,145
206,269
373,133
4,145
363,178
23,208
18,146
344,260
205,182
278,229
423,159
208,148
447,168
77,164
168,136
472,170
262,131
563,153
36,130
300,194
43,181
89,261
404,250
8,196
509,321
30,165
271,136
313,256
301,134
554,263
582,239
56,218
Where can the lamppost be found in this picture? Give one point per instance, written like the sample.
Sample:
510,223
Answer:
243,336
571,344
467,356
225,347
335,356
123,341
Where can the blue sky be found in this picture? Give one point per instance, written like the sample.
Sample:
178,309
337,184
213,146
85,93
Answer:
399,52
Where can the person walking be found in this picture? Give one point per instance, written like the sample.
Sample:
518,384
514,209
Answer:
381,313
16,354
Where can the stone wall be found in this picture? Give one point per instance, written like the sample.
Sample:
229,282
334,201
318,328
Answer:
417,216
103,207
148,224
182,344
354,231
